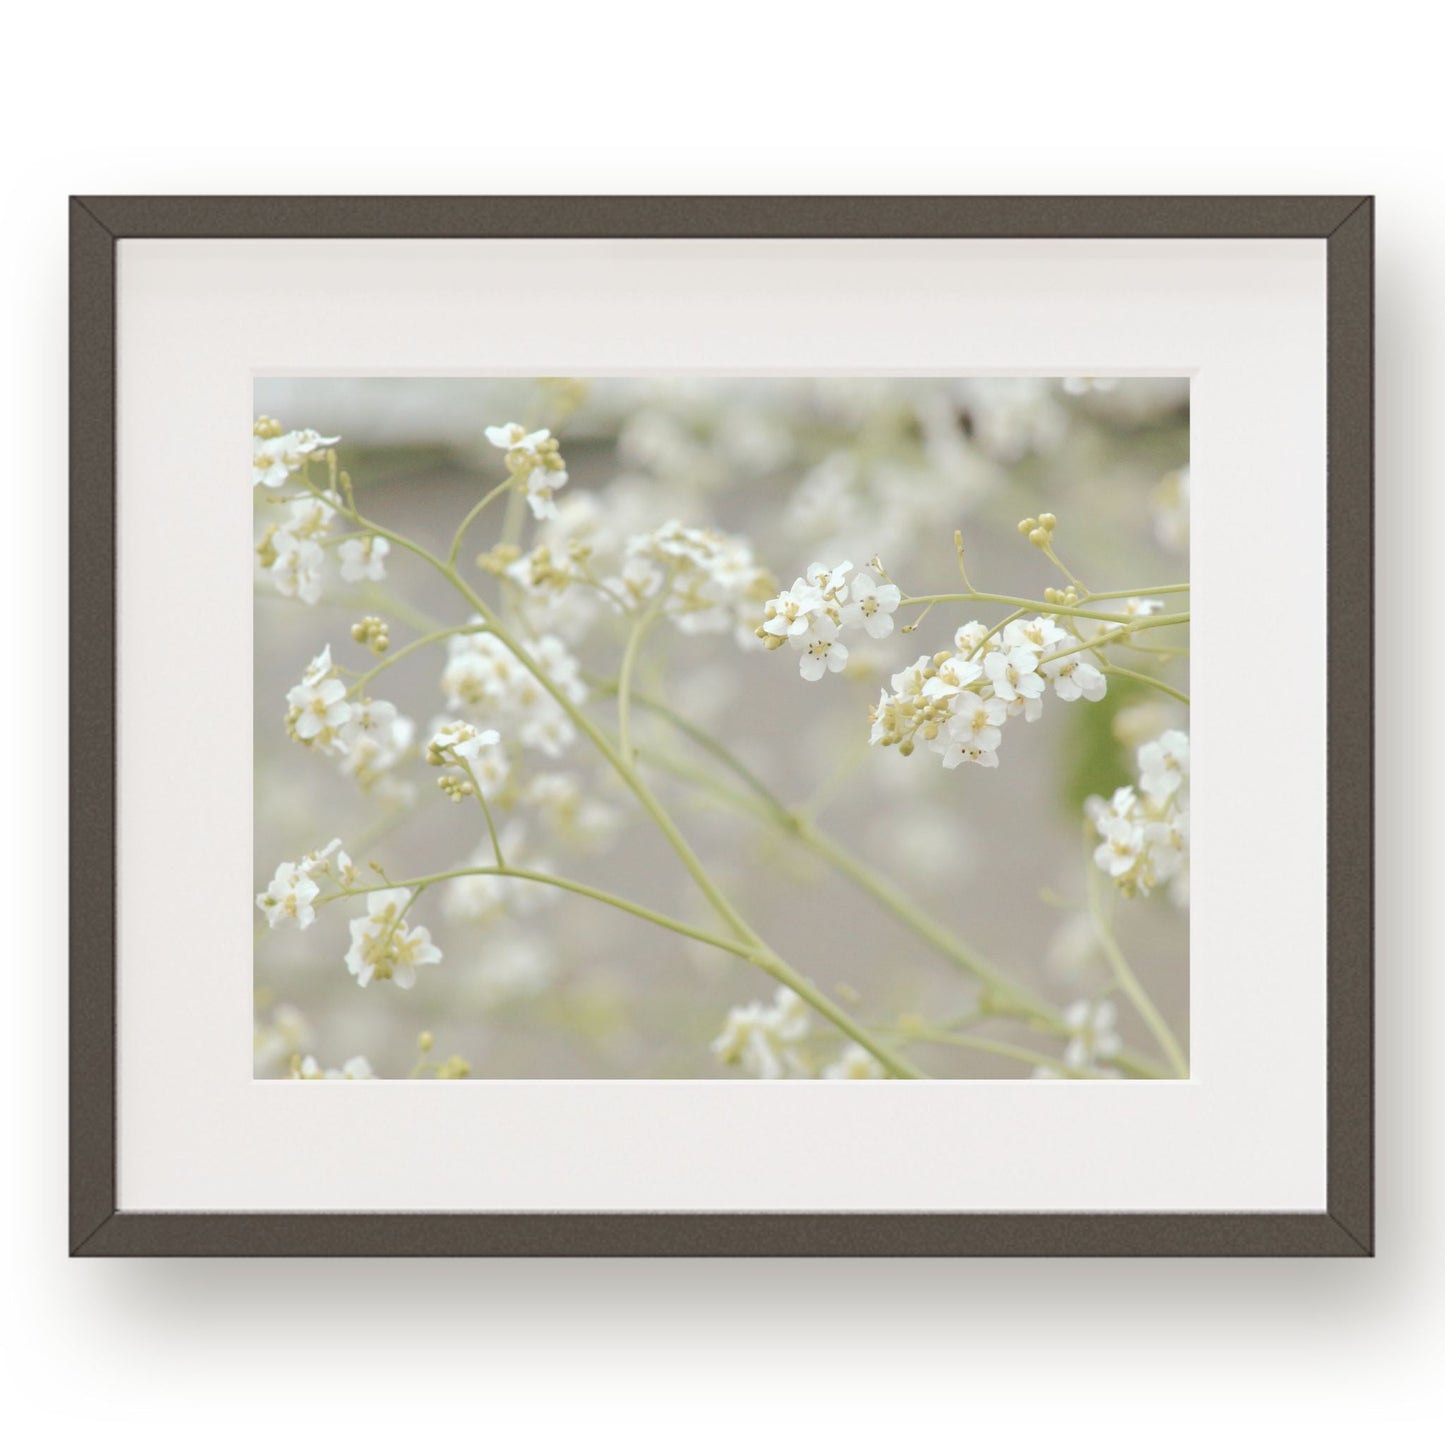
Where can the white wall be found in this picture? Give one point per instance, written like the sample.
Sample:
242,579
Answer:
747,97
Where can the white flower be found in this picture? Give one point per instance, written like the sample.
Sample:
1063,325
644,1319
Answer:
762,1038
976,720
1074,678
822,655
289,897
382,946
353,1068
974,635
1093,1036
319,709
463,740
363,559
297,568
1038,632
541,485
369,715
958,750
872,607
514,437
787,614
486,683
1163,766
1142,606
311,517
1122,845
952,677
533,458
1014,674
274,457
855,1062
831,582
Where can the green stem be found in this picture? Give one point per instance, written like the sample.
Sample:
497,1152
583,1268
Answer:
1138,592
570,885
996,1046
1054,609
413,646
1148,681
471,517
893,899
640,627
486,811
756,950
1128,981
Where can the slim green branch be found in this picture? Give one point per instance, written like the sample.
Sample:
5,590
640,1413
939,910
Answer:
570,885
1128,981
1054,609
472,516
756,950
486,811
1144,677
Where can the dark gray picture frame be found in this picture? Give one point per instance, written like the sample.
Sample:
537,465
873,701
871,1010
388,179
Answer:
1345,1227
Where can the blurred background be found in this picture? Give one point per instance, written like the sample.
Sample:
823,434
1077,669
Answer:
808,469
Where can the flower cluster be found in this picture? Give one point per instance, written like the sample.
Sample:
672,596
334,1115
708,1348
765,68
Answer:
367,735
292,552
958,702
275,454
535,462
1093,1040
1144,831
812,614
764,1038
484,682
382,946
354,1068
291,894
712,581
766,1041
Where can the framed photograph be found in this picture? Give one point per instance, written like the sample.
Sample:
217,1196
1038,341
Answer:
687,742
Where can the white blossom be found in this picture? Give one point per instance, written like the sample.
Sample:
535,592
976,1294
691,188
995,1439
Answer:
296,570
1073,678
871,606
363,559
318,706
289,896
1163,766
763,1038
1093,1038
1014,674
354,1068
382,946
820,655
855,1062
276,455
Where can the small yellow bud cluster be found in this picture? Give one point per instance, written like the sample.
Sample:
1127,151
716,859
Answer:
267,428
456,788
499,558
899,719
1039,530
372,633
547,454
546,573
1065,596
455,1067
266,547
